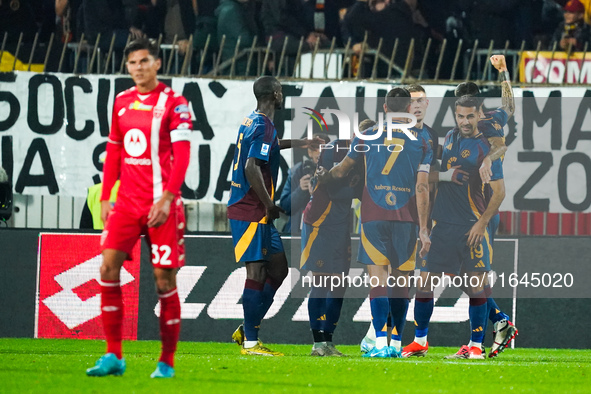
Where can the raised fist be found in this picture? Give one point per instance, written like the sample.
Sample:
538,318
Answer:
498,62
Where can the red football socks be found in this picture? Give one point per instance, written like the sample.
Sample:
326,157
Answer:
112,314
170,324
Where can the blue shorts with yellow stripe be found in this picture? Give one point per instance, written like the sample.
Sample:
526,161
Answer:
254,241
450,254
386,242
326,249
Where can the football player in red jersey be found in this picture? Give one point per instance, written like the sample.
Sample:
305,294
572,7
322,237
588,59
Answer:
148,150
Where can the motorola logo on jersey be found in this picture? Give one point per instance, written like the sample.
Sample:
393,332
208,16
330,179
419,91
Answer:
138,162
135,143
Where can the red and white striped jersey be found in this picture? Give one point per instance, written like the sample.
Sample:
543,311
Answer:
144,128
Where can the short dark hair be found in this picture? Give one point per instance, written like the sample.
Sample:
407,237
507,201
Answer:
415,87
398,100
366,124
142,43
468,102
264,87
467,89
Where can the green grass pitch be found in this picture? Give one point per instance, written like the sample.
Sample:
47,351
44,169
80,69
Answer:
46,366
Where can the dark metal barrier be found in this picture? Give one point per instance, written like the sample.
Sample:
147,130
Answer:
424,62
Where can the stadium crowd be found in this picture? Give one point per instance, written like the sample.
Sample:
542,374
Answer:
317,22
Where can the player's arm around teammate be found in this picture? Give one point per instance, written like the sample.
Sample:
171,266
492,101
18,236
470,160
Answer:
314,143
498,147
422,190
476,234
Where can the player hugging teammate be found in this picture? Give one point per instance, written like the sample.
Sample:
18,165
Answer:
455,177
466,217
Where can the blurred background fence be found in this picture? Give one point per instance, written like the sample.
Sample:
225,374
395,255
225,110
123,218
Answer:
432,62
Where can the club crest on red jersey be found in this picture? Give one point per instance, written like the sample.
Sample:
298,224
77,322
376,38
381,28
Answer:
159,112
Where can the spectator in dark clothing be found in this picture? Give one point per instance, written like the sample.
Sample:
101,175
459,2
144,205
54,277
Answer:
173,18
71,20
490,20
547,16
436,14
206,26
573,31
23,16
326,17
293,19
108,17
29,18
298,188
237,18
383,19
